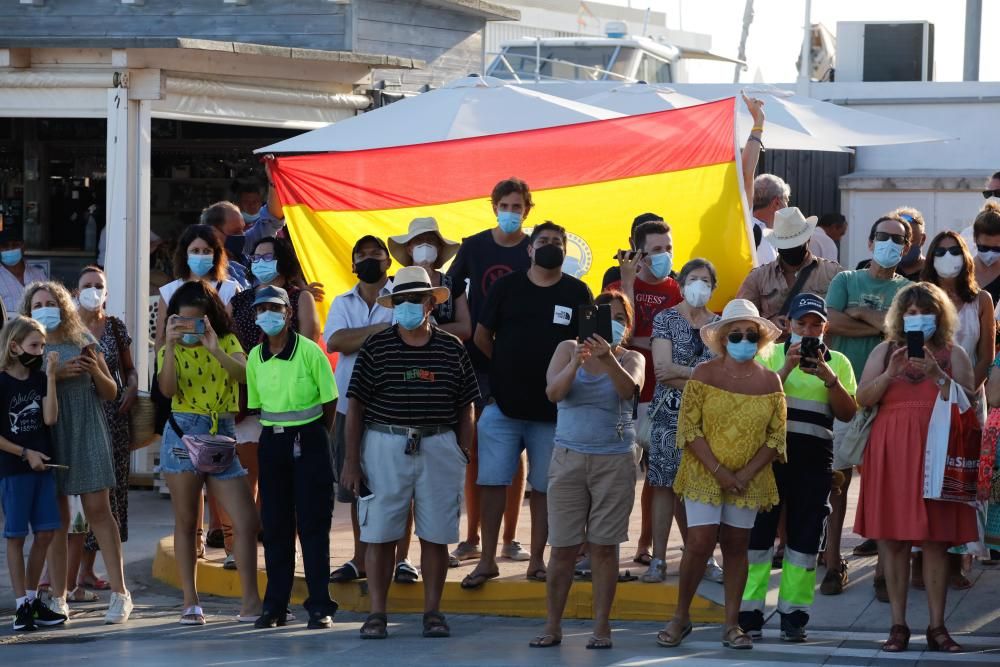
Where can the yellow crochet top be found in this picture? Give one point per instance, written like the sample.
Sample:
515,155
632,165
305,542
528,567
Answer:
735,426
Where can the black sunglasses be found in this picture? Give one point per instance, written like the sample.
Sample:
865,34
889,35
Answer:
266,257
408,298
941,252
987,248
990,193
737,336
898,239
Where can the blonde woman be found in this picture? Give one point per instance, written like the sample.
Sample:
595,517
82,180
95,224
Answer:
80,439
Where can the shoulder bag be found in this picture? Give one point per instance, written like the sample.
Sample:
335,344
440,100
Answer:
854,441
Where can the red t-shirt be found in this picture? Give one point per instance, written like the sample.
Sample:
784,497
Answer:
650,299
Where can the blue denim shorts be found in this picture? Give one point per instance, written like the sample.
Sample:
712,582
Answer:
174,455
501,440
29,499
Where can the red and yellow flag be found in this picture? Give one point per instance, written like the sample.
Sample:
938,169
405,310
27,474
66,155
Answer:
592,178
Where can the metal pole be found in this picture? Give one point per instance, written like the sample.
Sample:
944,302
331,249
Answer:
742,55
538,59
973,34
804,59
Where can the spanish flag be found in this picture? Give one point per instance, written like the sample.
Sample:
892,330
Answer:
592,178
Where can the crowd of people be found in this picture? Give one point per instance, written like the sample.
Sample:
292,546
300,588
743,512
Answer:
455,387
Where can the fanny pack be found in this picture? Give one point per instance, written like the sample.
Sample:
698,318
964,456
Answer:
210,454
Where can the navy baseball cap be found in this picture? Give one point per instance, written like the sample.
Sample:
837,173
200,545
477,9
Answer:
806,303
272,294
369,238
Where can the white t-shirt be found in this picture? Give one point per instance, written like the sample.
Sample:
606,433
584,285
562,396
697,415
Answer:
227,290
821,245
765,251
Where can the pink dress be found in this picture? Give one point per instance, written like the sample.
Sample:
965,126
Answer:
892,506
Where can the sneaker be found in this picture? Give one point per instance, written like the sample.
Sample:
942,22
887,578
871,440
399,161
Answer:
119,609
44,616
835,580
59,606
513,551
467,551
713,572
24,618
866,548
793,627
215,539
656,573
752,623
229,563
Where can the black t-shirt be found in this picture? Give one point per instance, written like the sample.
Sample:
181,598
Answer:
24,425
528,322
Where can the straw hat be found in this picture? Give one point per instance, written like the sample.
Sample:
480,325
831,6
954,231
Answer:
791,228
413,280
418,226
738,310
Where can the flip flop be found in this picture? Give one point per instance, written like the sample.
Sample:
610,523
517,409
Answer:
643,558
97,584
545,641
477,579
346,573
626,577
193,615
596,642
537,575
406,573
666,640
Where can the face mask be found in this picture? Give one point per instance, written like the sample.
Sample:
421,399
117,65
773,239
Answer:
92,298
794,338
250,220
741,351
235,245
369,270
425,253
617,332
265,271
912,255
30,361
11,257
509,221
549,256
49,317
988,257
793,256
925,323
270,322
697,293
887,254
200,264
409,315
660,264
190,339
949,266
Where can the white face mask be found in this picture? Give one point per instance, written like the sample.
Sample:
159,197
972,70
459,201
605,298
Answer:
92,298
949,266
697,293
425,253
987,257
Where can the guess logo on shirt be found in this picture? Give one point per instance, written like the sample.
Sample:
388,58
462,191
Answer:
418,375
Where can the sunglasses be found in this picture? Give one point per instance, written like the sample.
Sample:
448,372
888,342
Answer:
990,193
737,336
266,257
408,298
898,239
954,250
988,248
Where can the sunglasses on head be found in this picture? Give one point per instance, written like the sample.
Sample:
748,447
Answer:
990,193
898,239
737,336
988,248
408,298
941,252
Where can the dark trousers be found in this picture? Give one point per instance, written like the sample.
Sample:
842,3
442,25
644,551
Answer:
296,492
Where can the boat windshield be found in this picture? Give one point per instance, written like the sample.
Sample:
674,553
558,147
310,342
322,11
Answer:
574,62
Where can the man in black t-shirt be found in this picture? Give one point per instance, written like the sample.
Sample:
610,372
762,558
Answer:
525,317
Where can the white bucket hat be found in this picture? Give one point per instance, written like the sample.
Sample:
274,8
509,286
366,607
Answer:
738,310
791,229
418,226
413,280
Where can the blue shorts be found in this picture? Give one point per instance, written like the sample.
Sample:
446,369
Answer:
29,498
501,440
174,457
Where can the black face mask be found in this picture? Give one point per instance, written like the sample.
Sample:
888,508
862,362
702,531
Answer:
549,256
30,361
793,256
369,270
234,247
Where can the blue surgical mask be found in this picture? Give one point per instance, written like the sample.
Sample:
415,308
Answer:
794,338
190,339
265,271
925,323
270,322
509,221
741,351
49,317
200,264
250,220
660,264
12,257
887,253
409,315
617,332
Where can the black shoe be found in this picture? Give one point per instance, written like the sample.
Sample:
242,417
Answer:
270,620
24,618
793,626
44,616
215,539
318,621
752,623
866,548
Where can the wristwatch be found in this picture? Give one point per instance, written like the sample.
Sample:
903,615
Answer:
940,381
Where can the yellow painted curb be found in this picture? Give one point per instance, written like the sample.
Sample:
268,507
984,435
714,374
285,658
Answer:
634,601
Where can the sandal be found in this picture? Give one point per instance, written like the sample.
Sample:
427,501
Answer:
406,573
537,575
81,594
347,572
643,558
667,640
626,576
477,579
938,639
435,625
193,615
375,627
545,641
735,638
596,642
96,584
899,639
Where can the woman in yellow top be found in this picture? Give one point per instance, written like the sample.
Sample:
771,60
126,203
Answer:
732,422
201,372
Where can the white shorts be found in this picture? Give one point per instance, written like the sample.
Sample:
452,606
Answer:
703,514
839,429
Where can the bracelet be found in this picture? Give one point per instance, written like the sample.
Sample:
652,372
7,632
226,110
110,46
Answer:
757,139
757,128
717,466
832,384
24,453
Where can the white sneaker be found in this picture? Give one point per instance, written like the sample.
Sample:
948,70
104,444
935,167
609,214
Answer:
59,606
514,551
119,608
712,571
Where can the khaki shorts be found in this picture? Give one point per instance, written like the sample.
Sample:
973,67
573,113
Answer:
839,430
590,497
433,480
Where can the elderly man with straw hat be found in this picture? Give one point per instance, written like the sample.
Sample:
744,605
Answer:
772,286
409,425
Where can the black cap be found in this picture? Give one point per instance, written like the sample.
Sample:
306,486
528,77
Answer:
369,238
272,294
806,303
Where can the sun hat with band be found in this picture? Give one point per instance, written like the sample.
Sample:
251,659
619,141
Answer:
791,229
413,280
418,226
738,310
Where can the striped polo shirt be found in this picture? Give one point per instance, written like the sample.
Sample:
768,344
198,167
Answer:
810,418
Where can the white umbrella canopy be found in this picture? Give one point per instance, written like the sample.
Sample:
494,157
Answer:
469,107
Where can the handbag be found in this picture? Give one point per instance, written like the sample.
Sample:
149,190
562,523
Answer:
859,429
142,414
645,434
210,454
951,455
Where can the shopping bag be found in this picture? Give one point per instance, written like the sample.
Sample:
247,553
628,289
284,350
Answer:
987,487
951,456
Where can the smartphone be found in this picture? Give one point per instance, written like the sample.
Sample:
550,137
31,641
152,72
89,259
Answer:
194,325
364,493
915,344
594,320
809,348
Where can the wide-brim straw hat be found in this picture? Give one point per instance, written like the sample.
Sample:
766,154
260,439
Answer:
738,310
418,226
791,229
413,280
